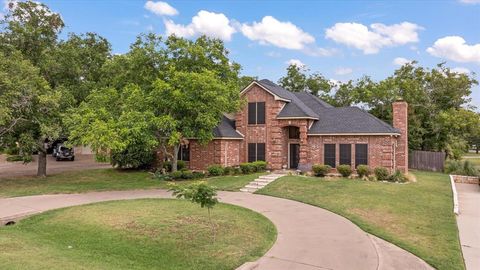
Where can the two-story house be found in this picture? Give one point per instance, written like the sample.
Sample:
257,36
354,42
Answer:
296,130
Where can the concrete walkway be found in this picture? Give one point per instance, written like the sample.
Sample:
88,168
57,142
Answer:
308,237
469,223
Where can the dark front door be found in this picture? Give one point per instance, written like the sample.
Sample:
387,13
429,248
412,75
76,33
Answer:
294,155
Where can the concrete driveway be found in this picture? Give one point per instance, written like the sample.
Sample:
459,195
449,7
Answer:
15,169
308,237
469,223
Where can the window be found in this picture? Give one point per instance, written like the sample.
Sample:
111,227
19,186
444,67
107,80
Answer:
361,154
345,154
256,113
293,133
329,155
184,153
256,151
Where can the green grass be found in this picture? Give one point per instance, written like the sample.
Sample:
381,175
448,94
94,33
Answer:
417,216
136,234
103,180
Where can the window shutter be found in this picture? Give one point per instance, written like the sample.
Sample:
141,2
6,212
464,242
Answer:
252,152
261,151
252,113
361,154
260,112
345,154
329,155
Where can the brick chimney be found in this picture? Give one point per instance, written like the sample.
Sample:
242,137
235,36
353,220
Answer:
400,121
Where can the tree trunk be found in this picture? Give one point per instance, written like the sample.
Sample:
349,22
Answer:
175,157
42,162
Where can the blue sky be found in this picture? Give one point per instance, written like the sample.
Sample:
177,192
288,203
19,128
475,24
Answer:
341,39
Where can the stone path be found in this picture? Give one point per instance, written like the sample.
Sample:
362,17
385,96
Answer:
469,223
308,237
261,182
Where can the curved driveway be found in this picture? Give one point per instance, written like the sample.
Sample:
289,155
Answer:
308,237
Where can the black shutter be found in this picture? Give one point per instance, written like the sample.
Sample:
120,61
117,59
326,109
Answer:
345,154
260,112
361,154
252,113
252,152
329,155
261,151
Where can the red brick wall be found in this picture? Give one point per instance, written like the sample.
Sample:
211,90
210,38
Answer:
400,121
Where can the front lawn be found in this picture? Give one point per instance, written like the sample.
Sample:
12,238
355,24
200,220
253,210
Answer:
417,216
136,234
102,180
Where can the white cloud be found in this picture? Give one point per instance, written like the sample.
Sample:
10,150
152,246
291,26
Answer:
400,61
320,52
460,70
455,48
295,62
160,8
274,32
473,2
370,41
274,54
212,24
343,71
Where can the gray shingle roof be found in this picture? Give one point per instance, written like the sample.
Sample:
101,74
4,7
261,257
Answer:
226,129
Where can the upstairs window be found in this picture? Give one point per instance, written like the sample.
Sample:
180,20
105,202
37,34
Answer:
256,113
256,151
184,153
345,154
329,155
361,154
293,132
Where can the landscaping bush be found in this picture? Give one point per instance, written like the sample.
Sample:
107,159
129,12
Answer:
469,169
345,170
260,166
215,170
187,174
381,173
167,165
363,170
397,176
176,175
237,170
228,170
198,175
247,168
320,170
460,168
134,157
181,165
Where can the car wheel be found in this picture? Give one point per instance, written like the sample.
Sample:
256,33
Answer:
72,158
57,159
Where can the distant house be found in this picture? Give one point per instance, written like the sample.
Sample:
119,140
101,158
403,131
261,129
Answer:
296,130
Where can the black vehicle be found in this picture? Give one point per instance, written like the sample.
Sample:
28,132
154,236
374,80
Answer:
61,152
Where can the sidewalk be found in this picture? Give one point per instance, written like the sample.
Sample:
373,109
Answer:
469,223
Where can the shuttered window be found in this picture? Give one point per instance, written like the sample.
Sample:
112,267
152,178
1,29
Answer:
256,113
345,154
361,154
329,155
256,151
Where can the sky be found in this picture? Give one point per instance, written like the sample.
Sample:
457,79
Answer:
341,39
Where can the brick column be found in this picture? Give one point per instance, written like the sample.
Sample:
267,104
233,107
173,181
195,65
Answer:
303,145
400,121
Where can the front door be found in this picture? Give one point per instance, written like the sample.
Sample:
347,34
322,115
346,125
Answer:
294,155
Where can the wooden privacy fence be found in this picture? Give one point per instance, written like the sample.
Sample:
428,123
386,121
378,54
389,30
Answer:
426,160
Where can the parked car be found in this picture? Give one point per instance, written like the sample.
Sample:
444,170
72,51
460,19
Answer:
61,152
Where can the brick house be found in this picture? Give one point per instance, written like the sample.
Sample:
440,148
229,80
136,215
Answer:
296,130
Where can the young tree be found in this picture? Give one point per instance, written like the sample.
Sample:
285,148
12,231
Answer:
200,193
29,112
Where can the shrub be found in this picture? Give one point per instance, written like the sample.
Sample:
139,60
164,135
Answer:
198,175
181,165
215,170
260,166
247,168
397,176
176,175
187,174
381,173
134,157
167,165
320,170
363,170
460,168
19,158
469,169
237,170
345,170
228,170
